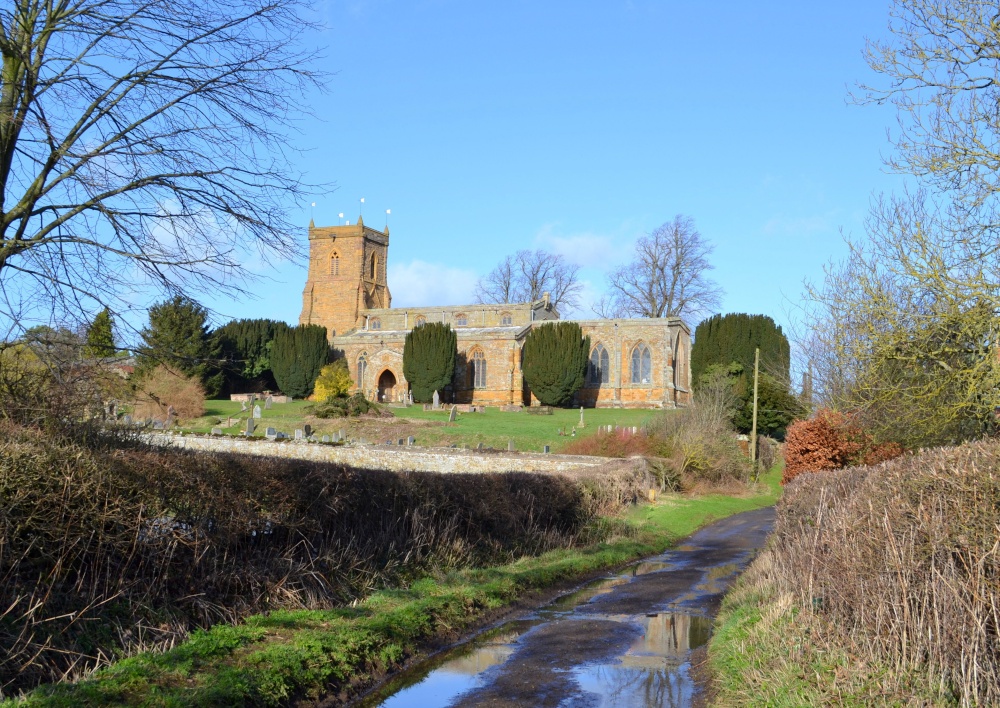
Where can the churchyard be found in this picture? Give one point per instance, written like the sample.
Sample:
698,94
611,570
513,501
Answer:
492,427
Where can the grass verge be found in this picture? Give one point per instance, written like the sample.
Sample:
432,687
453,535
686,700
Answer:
284,656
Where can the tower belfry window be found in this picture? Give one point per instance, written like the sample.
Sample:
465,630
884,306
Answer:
374,266
335,264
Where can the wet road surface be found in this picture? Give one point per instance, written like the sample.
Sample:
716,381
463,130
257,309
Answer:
624,640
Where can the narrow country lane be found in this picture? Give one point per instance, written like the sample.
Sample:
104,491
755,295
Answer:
624,640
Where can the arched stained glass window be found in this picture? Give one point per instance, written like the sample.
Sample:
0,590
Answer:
642,365
600,366
461,320
477,369
362,368
374,323
506,320
421,320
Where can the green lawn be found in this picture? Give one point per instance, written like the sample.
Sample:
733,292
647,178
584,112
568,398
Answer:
492,428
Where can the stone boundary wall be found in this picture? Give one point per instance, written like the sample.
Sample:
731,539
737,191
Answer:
396,459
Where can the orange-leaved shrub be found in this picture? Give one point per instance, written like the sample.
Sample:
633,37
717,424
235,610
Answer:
163,389
830,440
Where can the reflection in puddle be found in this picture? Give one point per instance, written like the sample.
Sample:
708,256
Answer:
651,567
590,658
654,671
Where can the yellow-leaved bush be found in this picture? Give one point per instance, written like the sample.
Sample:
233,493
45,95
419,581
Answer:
334,380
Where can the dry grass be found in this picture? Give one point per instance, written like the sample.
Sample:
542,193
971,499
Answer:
892,574
105,551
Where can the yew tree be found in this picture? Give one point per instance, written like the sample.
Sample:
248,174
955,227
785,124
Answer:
298,354
429,354
555,362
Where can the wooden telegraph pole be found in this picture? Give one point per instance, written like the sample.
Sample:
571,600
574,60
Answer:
753,428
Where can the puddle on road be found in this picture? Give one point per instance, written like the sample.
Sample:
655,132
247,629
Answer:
645,662
654,671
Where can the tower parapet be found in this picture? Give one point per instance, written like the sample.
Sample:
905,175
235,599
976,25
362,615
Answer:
347,274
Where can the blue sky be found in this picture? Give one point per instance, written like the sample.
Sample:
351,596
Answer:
578,126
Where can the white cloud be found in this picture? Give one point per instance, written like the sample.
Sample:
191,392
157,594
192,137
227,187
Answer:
420,284
587,250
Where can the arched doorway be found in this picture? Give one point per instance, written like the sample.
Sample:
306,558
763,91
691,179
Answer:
386,386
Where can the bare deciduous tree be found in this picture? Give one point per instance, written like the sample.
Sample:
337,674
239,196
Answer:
143,143
942,64
667,278
527,275
905,331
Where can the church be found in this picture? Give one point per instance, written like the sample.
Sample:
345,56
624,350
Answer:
634,363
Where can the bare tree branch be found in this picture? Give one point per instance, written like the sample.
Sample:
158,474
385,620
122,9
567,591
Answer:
527,275
143,144
666,278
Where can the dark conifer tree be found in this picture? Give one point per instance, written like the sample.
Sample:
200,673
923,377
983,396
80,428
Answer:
429,354
178,336
555,362
297,355
724,339
246,350
100,337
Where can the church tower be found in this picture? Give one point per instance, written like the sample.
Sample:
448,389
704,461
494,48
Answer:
347,275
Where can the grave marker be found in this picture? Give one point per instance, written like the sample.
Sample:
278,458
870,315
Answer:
437,401
216,431
451,414
256,412
298,434
250,426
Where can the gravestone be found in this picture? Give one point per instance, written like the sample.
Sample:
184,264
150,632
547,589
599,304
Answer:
581,425
326,438
411,397
546,449
402,441
451,414
437,401
271,433
127,420
216,431
250,426
343,435
411,440
510,446
298,434
256,412
336,437
268,402
157,425
243,407
479,447
308,430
